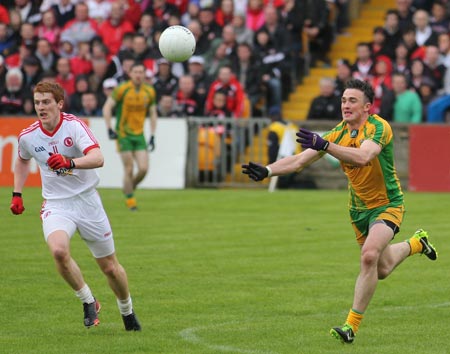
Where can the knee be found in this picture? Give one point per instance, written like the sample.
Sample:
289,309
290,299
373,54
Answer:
60,254
369,258
111,269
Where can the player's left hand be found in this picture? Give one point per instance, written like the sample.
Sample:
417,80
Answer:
310,140
57,161
151,143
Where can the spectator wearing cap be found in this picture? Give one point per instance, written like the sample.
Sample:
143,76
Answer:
11,97
113,29
327,105
228,83
82,28
248,71
187,100
196,68
343,74
31,70
108,87
164,81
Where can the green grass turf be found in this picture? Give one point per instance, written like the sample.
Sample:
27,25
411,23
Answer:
226,271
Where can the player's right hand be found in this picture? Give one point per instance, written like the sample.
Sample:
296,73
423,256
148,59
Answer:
255,171
17,204
112,134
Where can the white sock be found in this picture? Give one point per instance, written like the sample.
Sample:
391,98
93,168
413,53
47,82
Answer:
125,306
85,295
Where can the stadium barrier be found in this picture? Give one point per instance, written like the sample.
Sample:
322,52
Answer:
208,152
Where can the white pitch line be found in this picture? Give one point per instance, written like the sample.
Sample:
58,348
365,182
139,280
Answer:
190,335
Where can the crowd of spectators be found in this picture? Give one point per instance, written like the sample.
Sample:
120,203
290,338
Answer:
407,63
247,50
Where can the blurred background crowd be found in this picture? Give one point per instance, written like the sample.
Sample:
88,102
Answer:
248,59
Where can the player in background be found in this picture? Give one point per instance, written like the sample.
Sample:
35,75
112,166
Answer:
67,154
364,145
133,100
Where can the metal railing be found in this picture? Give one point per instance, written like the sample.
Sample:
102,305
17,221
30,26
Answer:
217,148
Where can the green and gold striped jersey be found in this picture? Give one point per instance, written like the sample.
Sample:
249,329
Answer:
375,184
132,107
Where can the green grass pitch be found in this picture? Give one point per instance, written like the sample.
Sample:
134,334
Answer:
226,271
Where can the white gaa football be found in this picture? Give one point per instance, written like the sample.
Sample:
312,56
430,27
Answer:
177,43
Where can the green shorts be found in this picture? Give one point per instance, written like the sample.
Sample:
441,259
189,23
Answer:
362,220
131,143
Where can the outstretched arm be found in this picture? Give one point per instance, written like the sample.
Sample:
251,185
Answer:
284,166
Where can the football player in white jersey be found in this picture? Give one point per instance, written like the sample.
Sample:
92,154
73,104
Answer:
67,154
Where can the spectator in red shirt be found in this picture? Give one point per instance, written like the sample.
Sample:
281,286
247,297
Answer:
4,15
255,15
112,30
225,13
187,100
133,11
227,83
64,76
82,62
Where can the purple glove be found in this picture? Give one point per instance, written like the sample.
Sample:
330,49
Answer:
310,140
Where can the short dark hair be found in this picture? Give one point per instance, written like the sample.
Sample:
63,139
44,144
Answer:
362,86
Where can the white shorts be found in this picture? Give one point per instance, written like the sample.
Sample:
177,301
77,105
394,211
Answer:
84,213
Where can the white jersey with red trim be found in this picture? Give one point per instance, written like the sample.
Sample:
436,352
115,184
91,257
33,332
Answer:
71,138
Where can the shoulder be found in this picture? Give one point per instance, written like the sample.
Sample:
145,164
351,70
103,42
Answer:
28,132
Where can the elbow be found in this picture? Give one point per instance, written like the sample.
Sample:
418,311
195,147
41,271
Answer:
101,161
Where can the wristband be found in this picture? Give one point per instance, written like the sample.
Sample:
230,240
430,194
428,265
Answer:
269,170
72,164
16,194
